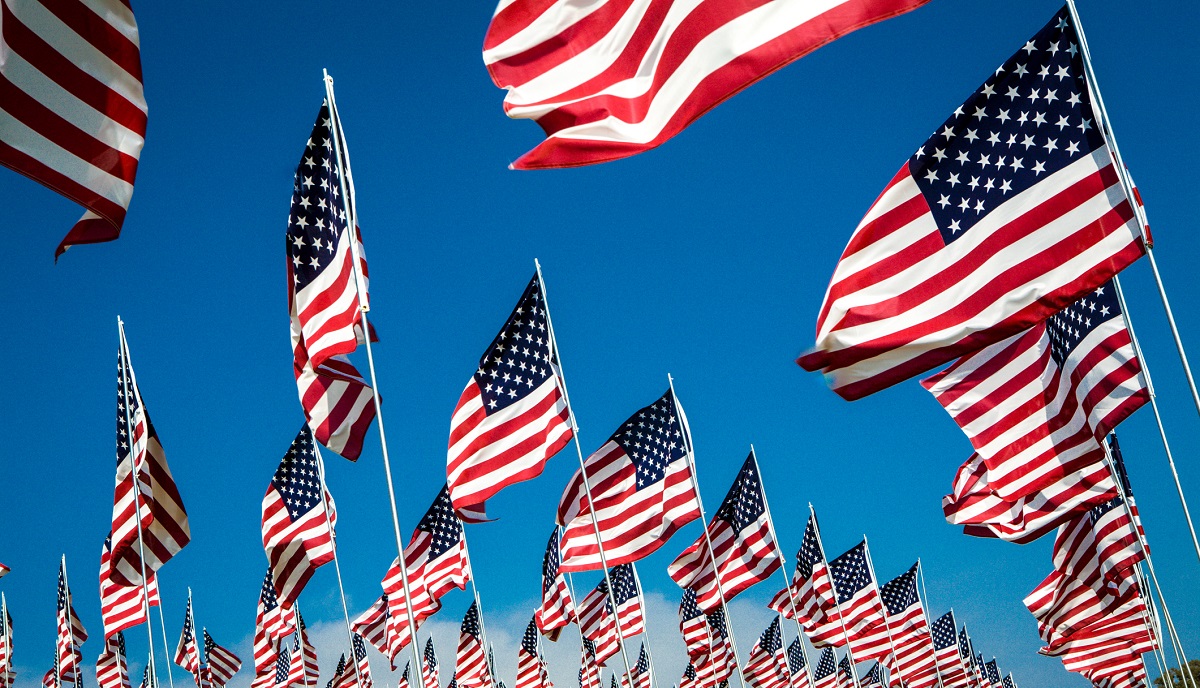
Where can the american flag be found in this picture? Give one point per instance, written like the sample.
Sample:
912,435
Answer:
338,403
693,625
471,666
74,110
429,669
50,678
71,635
273,623
721,663
914,657
992,672
845,673
222,664
589,669
1008,681
278,677
1012,210
122,606
111,671
297,533
4,570
811,588
641,671
145,678
403,682
860,608
623,79
797,665
825,675
557,609
596,618
362,665
946,652
302,669
187,651
379,628
873,677
688,680
338,673
155,499
7,675
767,665
512,416
740,534
641,485
531,669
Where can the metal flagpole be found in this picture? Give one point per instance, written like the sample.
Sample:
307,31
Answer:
958,644
924,596
612,595
300,644
886,625
1151,616
687,441
70,624
337,567
346,183
126,377
837,606
7,639
645,624
1137,350
1138,211
162,623
475,593
787,582
1172,635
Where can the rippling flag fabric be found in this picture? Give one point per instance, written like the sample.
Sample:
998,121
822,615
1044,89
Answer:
512,416
471,665
529,659
222,664
914,660
825,675
811,587
860,610
946,652
1012,210
272,623
693,626
641,484
599,623
557,609
71,635
302,669
429,666
187,651
122,606
379,628
797,666
111,671
767,666
589,669
640,671
688,680
606,81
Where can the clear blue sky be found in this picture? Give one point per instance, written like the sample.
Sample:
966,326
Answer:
706,258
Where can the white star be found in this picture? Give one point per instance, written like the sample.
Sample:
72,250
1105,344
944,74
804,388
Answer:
944,201
988,91
1084,125
1062,72
1051,145
1012,93
953,180
994,138
1029,48
1073,148
962,158
1039,119
940,154
1017,164
1051,95
980,113
971,135
947,132
1074,99
1006,186
974,183
1062,123
1021,70
1039,168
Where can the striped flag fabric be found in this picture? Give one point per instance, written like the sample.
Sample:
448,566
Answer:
404,682
74,117
914,661
145,678
471,665
995,223
429,668
873,677
767,665
598,622
693,626
640,671
362,665
302,667
860,609
278,677
378,628
688,680
531,669
797,666
297,532
641,487
811,587
222,664
272,623
721,663
187,651
338,403
144,487
742,546
111,671
71,635
557,609
122,606
589,668
845,673
4,570
946,652
512,416
825,675
7,675
606,82
338,680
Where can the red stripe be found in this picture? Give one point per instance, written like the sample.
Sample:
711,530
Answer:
100,34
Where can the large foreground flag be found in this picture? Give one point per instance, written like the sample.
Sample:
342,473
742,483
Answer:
1008,213
641,484
742,546
74,114
512,416
608,80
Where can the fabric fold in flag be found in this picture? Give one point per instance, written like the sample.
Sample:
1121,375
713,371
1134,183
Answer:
557,609
1011,211
599,623
221,663
122,606
767,665
111,671
70,638
811,587
859,618
302,669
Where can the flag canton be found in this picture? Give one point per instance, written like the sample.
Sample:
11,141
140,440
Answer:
550,562
795,656
624,584
589,649
360,649
810,549
716,623
964,644
993,672
690,672
771,640
470,622
209,644
875,675
1115,450
1032,118
128,407
826,665
849,572
282,665
1098,512
688,609
529,640
442,524
430,655
188,632
121,643
943,632
744,504
844,665
1072,324
62,592
297,480
643,663
1008,682
267,597
317,220
900,593
521,357
652,438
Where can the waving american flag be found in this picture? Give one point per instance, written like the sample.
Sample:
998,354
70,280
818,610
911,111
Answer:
273,623
187,650
599,623
111,670
767,666
811,589
946,652
914,660
471,665
71,635
557,609
221,663
122,606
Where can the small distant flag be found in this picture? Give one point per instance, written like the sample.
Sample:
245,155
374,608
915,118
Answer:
597,621
302,669
111,670
187,651
767,665
811,587
429,669
914,660
530,666
557,609
946,651
273,623
471,665
222,664
71,635
797,665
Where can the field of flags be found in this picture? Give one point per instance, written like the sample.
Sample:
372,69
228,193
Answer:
989,266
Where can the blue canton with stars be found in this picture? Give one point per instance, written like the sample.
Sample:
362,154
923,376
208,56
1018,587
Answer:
964,645
442,524
688,609
810,549
850,573
282,665
900,593
297,480
317,221
771,640
1030,120
716,624
844,666
874,677
1072,324
993,672
1115,449
1008,682
943,632
624,585
652,438
744,503
521,357
826,665
470,622
360,650
128,406
529,642
431,661
795,655
550,562
267,596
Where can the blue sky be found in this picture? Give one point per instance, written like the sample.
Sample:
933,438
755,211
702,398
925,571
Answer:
706,259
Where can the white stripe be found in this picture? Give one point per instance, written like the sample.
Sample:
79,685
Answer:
903,191
496,419
14,132
556,19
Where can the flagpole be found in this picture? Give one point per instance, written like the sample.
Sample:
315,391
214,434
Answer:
1151,617
1172,635
958,645
687,440
1137,350
126,376
7,640
300,645
886,625
478,604
337,567
787,582
346,181
929,624
166,646
71,625
841,620
646,625
612,595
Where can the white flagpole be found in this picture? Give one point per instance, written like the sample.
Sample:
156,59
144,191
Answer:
162,623
478,603
612,594
1151,617
646,624
71,625
300,645
346,183
887,626
787,582
135,469
924,596
7,640
687,440
337,567
1139,213
841,620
